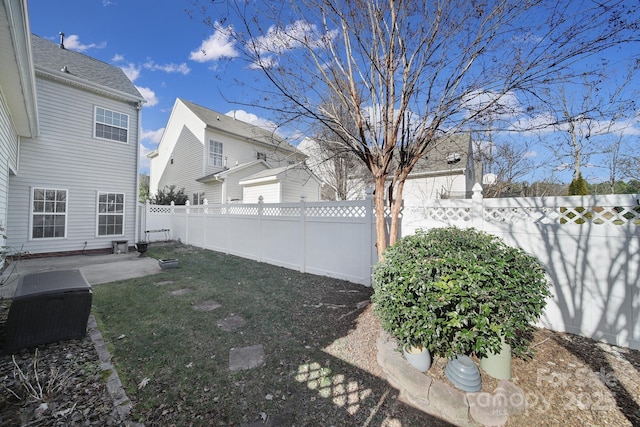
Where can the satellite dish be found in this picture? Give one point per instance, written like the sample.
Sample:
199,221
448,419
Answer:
489,179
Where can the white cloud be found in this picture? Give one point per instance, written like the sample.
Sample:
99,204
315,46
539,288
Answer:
145,162
72,42
252,119
491,104
131,71
149,96
265,62
152,135
117,58
168,68
219,45
301,33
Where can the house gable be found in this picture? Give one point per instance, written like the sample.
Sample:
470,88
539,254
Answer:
230,150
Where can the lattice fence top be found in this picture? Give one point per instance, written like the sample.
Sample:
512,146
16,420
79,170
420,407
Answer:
614,215
242,209
281,211
336,211
160,209
442,214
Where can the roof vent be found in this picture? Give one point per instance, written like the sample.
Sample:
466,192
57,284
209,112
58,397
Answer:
61,40
453,158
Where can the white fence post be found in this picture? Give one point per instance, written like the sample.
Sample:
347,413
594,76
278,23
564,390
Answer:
477,213
303,239
260,222
371,254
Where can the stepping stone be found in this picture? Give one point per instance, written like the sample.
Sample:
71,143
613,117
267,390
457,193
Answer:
207,305
166,282
246,357
181,292
232,322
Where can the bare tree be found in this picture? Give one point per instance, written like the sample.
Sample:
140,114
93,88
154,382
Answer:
407,71
593,118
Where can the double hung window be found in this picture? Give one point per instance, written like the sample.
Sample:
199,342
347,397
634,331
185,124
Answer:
48,213
111,125
215,153
110,214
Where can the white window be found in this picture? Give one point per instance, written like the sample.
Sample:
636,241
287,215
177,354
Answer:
198,198
48,213
111,125
110,214
215,153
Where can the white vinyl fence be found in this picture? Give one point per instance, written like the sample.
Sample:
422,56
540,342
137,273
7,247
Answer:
590,245
332,239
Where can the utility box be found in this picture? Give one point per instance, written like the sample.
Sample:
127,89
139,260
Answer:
48,307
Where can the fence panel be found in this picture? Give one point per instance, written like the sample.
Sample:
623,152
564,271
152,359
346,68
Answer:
589,246
331,239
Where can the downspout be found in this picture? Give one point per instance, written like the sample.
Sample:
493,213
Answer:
138,107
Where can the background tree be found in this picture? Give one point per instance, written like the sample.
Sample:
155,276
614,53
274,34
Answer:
169,194
143,188
408,71
592,117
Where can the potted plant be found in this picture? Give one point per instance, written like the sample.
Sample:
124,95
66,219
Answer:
459,292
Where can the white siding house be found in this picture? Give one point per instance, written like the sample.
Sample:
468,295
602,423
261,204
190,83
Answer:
447,171
18,112
281,185
75,187
209,155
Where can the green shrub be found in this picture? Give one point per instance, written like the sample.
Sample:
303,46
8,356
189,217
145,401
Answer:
457,291
578,186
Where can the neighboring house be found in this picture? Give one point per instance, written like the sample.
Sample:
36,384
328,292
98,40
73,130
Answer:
446,171
214,157
74,184
343,174
279,185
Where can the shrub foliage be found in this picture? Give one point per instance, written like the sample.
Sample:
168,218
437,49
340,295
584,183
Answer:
456,291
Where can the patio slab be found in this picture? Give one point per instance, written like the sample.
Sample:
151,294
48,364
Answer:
96,268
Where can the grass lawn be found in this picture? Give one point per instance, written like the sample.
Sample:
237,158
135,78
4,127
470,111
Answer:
174,360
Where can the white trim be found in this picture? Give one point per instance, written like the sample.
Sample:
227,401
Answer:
31,213
122,214
20,29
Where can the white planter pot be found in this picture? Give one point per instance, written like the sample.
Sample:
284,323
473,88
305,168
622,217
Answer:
419,358
498,365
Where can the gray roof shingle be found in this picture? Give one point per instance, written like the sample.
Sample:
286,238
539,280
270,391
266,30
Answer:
50,56
231,125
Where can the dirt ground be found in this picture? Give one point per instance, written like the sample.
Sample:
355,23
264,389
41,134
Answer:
571,381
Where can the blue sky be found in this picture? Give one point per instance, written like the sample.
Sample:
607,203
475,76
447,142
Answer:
169,53
153,41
